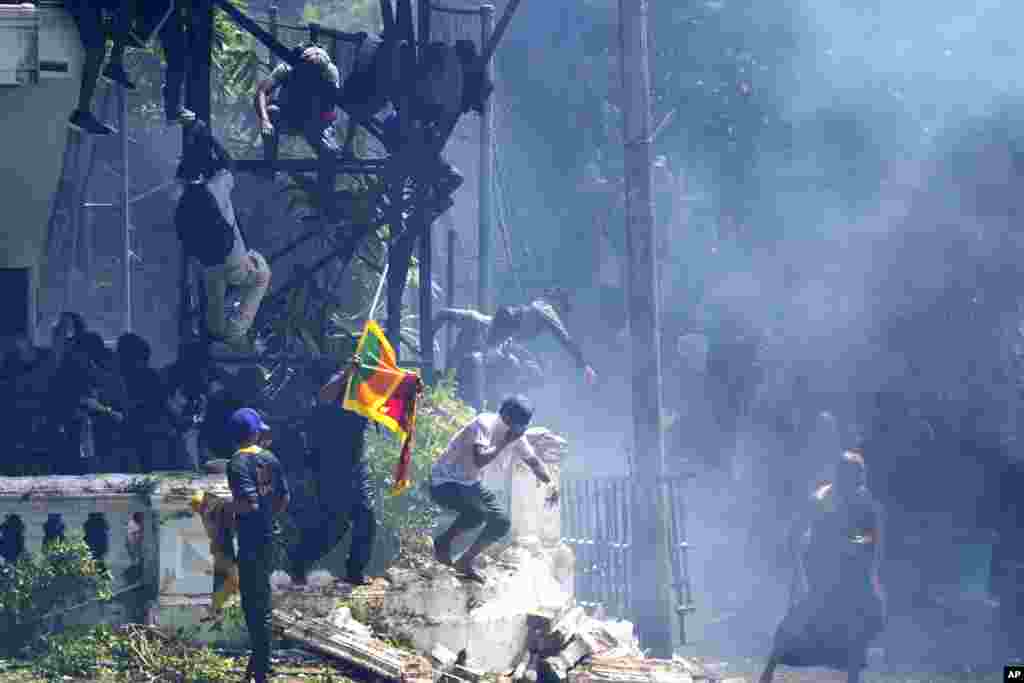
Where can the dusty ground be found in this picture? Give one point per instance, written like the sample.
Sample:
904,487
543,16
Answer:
734,671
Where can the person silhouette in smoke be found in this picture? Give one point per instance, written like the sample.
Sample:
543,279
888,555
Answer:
524,323
841,607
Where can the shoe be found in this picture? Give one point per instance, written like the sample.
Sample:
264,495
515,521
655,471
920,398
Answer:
85,122
117,74
470,574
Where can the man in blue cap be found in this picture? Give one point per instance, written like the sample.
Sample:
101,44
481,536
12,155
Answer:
259,491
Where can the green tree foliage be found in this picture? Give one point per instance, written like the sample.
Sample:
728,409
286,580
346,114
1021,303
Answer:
65,574
439,417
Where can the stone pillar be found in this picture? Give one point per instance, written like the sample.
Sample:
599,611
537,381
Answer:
529,512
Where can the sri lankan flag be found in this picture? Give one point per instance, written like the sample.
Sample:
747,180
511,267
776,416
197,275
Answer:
381,391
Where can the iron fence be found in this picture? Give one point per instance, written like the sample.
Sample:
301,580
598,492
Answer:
597,524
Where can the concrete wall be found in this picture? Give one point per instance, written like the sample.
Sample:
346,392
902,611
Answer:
32,140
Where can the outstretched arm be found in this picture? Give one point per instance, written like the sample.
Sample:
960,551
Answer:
553,323
459,316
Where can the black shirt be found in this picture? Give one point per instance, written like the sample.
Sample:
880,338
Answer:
338,439
255,474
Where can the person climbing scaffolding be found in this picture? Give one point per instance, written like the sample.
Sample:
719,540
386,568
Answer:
88,16
208,228
299,100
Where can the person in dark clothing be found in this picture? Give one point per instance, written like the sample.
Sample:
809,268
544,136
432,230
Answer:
842,606
208,228
466,358
170,21
149,428
456,484
237,391
304,104
76,405
88,15
25,374
339,447
490,357
525,323
259,491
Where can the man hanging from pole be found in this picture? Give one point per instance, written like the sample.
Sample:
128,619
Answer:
209,231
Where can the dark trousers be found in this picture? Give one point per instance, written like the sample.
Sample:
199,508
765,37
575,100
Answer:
350,496
318,135
254,587
476,506
173,41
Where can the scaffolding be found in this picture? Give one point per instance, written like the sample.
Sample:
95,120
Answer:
71,237
404,170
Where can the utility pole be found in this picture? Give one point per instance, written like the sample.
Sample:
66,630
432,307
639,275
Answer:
653,603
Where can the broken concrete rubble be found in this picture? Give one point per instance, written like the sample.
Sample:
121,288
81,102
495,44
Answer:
349,645
489,621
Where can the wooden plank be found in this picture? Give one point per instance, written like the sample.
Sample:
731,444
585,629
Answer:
371,655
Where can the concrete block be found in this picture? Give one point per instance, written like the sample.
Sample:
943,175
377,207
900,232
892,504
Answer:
443,657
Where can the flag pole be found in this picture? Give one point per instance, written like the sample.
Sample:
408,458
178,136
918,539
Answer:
380,290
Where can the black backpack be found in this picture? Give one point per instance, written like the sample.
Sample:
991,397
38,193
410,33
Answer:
204,231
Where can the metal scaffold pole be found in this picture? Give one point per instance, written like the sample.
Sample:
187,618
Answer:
484,303
126,229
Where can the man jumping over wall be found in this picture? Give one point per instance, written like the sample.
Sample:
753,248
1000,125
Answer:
455,480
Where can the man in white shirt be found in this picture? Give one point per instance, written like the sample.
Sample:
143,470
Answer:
456,485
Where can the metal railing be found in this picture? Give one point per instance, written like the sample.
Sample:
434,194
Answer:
597,524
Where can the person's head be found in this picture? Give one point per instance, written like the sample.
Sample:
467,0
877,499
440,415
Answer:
71,325
247,427
516,412
133,351
315,69
851,471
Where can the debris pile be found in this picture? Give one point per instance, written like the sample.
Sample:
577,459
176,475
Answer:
606,669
